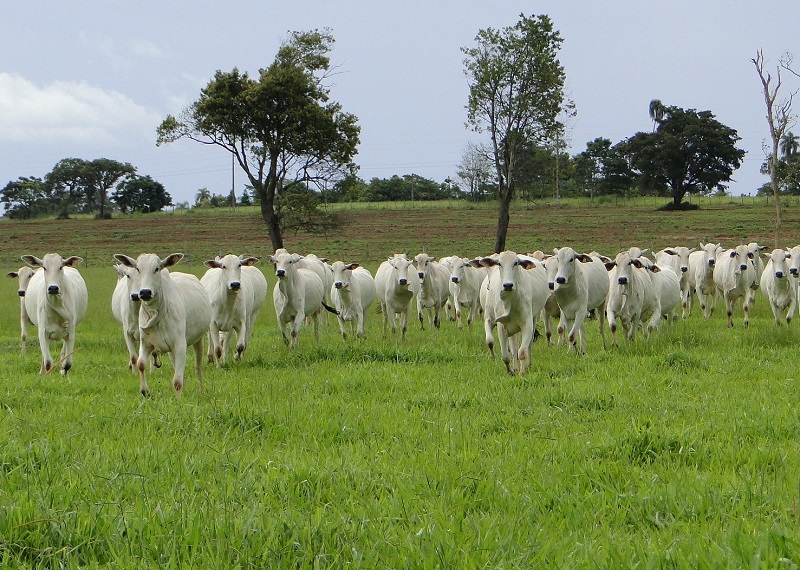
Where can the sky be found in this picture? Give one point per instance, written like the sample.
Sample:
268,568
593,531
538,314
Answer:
90,79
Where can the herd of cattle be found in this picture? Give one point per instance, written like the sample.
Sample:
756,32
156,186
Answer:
165,311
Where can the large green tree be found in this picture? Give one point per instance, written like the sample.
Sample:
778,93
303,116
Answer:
141,194
689,152
24,198
516,91
280,127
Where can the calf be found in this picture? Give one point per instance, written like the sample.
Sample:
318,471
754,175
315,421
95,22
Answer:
352,294
434,279
701,277
581,285
631,297
23,276
517,294
777,286
56,302
395,290
236,290
175,313
733,275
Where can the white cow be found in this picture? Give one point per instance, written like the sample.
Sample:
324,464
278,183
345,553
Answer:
56,302
23,276
517,292
450,307
580,286
395,291
733,275
236,290
352,294
297,294
758,265
794,269
465,284
776,285
551,309
434,288
125,306
175,313
631,297
701,277
667,287
678,259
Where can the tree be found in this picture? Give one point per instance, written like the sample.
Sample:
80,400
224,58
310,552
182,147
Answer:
516,91
141,194
100,176
475,170
789,145
24,198
690,152
281,128
657,112
779,119
66,186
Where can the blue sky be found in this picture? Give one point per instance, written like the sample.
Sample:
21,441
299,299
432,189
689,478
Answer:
94,79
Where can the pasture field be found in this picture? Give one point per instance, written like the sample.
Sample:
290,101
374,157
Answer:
678,451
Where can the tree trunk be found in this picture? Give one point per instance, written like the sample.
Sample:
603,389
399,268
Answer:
273,223
773,176
502,220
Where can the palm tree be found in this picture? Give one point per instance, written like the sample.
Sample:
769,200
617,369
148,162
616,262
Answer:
657,112
789,145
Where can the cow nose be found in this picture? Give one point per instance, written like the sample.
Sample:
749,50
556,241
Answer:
508,286
711,262
622,280
779,274
235,285
684,269
454,279
338,284
134,297
145,294
551,285
403,281
280,273
561,280
21,292
53,289
421,275
794,271
743,266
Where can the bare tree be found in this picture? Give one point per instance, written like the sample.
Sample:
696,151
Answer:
779,118
475,168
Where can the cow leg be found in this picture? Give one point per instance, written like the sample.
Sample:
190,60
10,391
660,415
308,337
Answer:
145,351
342,327
211,350
198,362
44,343
179,360
419,313
360,322
601,309
66,351
729,310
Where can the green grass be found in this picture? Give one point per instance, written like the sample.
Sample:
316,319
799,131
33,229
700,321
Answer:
682,450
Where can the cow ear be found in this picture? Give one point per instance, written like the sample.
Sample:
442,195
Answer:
610,265
171,259
125,260
750,255
733,253
693,250
248,261
352,266
583,258
487,262
654,269
212,263
476,263
12,274
323,259
527,263
636,263
72,261
32,260
670,252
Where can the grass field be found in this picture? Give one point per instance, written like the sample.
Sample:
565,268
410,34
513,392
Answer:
681,451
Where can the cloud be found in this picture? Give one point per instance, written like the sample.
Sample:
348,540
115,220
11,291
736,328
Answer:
67,111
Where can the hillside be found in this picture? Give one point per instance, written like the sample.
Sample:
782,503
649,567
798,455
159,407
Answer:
373,231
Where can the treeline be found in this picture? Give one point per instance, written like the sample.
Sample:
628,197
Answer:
78,186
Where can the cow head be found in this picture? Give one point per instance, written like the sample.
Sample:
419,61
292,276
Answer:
149,266
53,266
231,267
342,272
507,263
23,276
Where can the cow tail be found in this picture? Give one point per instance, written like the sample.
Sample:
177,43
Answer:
330,309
